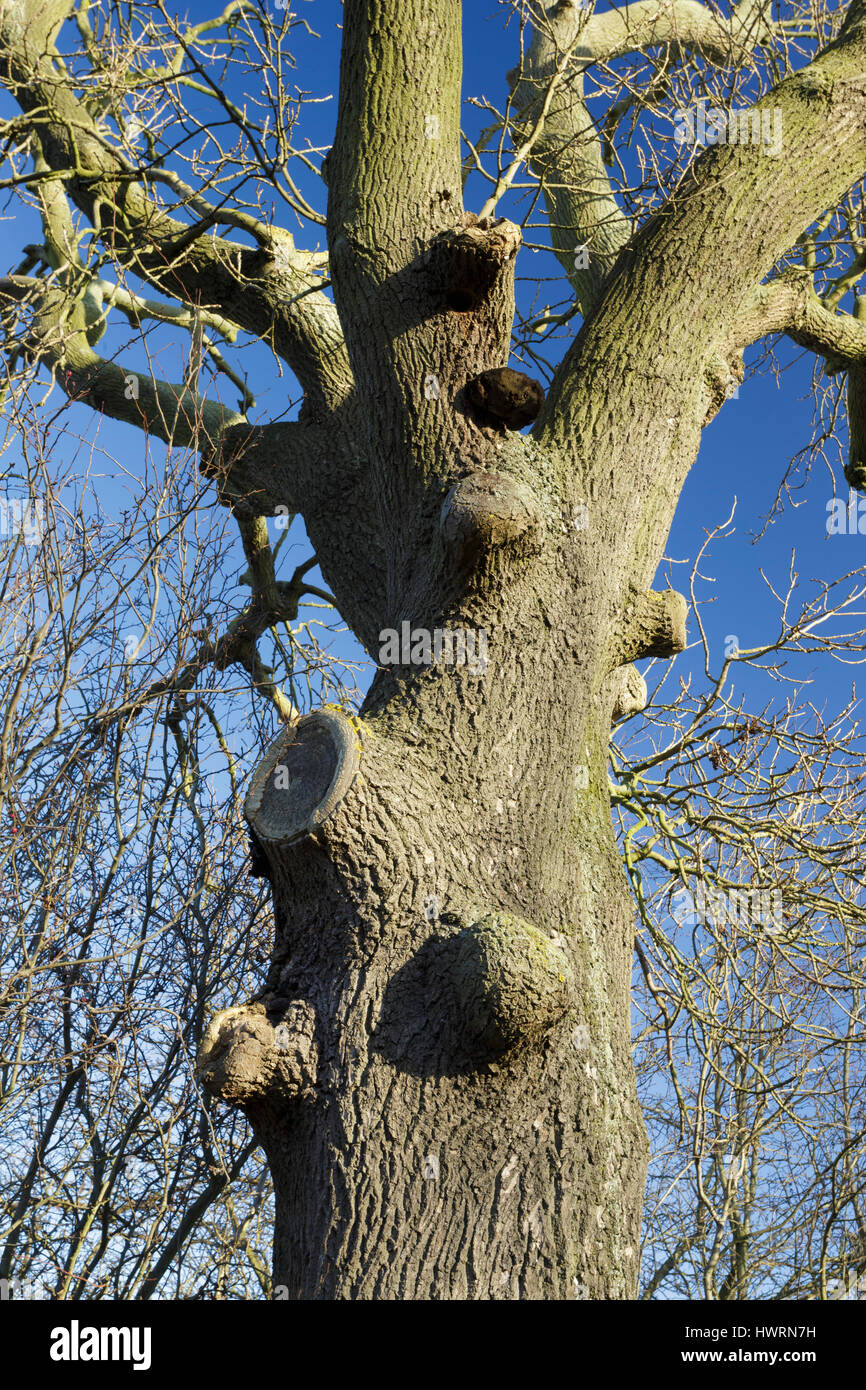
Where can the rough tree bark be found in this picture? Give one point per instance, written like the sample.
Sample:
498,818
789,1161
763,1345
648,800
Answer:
439,1068
461,1119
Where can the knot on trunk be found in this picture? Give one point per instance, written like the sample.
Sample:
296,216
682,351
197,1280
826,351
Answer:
485,511
505,398
652,624
248,1055
629,692
464,265
723,377
513,984
302,778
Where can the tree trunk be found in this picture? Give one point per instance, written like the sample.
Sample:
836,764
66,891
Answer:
460,932
440,1067
453,1111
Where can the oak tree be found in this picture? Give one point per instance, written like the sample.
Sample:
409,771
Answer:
438,1064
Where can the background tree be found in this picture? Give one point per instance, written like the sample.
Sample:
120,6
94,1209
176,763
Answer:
742,836
439,1066
127,911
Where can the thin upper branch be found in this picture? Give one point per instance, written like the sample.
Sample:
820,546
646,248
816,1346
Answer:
273,291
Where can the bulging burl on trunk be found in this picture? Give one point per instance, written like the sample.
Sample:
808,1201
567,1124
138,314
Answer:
513,984
489,510
493,988
505,397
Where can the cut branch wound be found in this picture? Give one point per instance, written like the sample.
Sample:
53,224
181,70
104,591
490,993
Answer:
467,263
246,1057
653,624
303,776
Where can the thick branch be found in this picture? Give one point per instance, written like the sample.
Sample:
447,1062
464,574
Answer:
399,118
588,228
730,221
289,467
684,23
790,305
171,411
